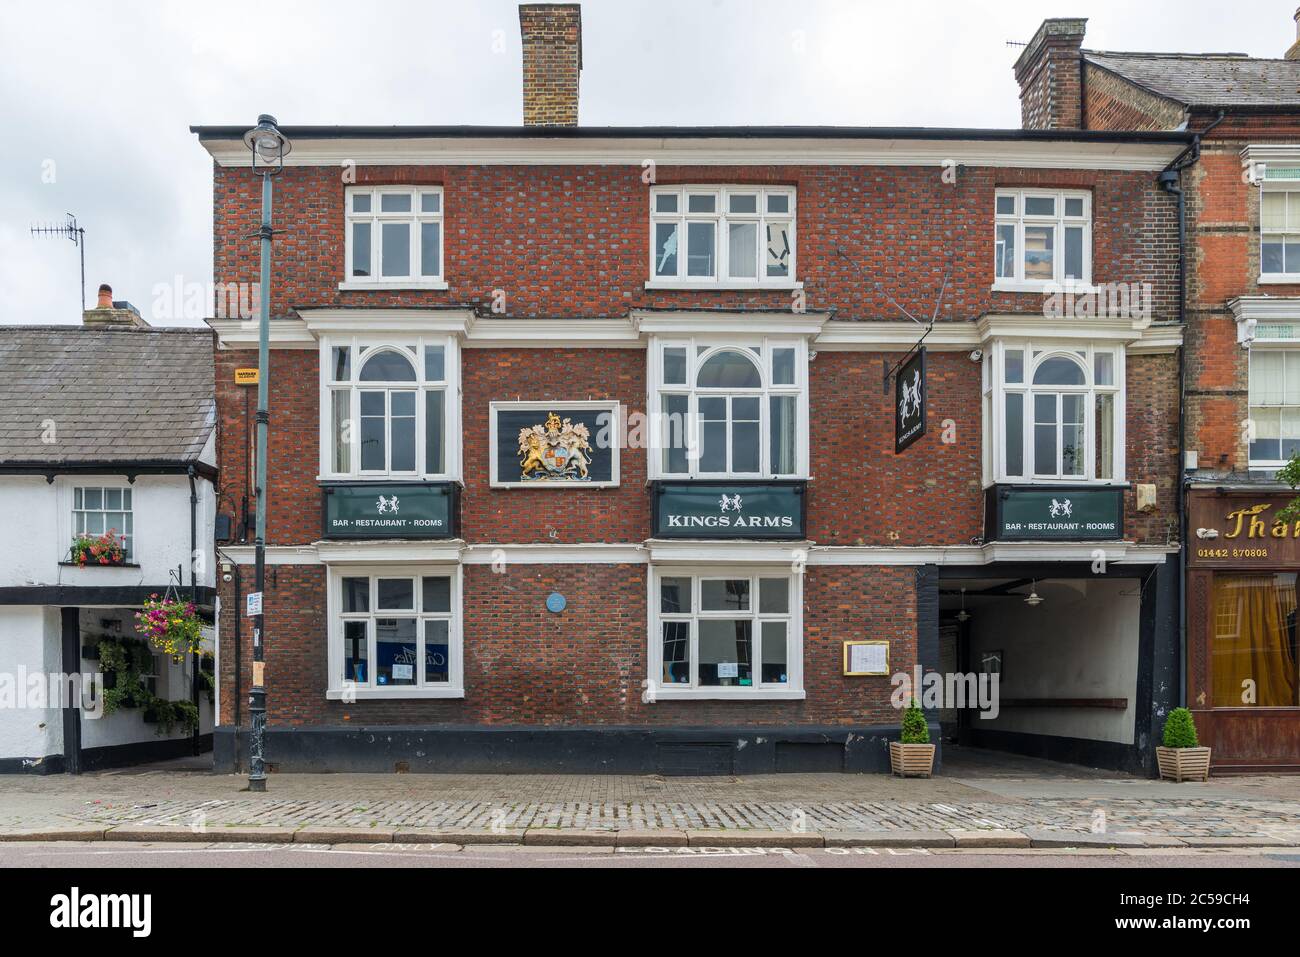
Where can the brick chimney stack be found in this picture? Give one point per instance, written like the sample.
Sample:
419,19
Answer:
1049,72
1294,52
108,314
552,44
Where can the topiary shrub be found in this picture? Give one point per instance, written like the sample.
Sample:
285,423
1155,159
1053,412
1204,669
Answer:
915,730
1180,730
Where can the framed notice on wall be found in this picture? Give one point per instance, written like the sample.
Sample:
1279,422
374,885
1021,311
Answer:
866,658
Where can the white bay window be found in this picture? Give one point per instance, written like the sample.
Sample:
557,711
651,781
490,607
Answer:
730,410
1054,412
389,408
1274,406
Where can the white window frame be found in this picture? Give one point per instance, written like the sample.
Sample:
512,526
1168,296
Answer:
1286,188
721,218
337,688
130,547
1293,347
792,690
997,388
698,350
449,386
376,218
1020,220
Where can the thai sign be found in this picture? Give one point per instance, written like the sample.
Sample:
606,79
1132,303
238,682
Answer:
1231,530
394,510
759,510
909,402
1060,514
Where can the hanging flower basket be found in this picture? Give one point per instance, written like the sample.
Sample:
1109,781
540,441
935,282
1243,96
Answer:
103,549
171,625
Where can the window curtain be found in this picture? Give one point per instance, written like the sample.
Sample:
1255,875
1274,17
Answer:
1255,639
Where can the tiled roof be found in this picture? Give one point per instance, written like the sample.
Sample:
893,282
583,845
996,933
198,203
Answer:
119,396
1208,79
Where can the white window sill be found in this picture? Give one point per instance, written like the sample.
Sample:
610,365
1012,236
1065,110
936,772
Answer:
726,284
1055,482
669,693
1053,287
383,694
391,284
395,479
1280,279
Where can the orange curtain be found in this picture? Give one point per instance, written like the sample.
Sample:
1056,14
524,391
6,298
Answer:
1254,621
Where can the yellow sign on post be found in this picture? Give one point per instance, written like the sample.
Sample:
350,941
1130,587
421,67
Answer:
246,377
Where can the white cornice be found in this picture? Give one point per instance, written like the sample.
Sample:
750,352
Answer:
454,321
704,321
674,552
632,332
1266,153
554,333
711,151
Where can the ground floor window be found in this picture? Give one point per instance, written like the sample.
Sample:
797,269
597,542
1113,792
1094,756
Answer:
395,633
726,634
1254,651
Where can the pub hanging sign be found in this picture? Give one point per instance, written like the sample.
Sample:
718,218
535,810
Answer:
758,510
396,510
909,401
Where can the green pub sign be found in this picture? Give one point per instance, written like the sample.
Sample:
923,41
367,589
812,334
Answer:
1060,514
755,510
394,510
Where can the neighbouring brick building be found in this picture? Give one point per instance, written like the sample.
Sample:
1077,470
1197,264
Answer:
1240,183
583,441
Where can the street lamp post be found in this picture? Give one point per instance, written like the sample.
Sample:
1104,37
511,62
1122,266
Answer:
268,144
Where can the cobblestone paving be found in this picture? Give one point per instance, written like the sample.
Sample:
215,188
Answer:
1270,808
1177,818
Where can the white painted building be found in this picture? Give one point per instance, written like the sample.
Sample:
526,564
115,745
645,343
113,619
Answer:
110,425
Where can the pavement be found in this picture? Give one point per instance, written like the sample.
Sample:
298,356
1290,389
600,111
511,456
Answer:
981,801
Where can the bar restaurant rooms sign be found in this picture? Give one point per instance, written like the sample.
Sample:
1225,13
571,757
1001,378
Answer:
370,510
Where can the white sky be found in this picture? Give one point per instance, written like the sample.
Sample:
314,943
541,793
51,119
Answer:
107,91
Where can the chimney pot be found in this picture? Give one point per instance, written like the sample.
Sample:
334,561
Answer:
108,314
552,50
105,297
1294,52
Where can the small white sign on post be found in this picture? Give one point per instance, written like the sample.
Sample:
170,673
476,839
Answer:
253,604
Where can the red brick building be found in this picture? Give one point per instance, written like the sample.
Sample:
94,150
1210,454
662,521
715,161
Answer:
584,451
1238,180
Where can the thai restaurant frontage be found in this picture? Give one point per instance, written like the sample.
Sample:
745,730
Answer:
1243,681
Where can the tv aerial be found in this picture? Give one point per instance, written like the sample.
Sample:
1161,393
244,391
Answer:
69,230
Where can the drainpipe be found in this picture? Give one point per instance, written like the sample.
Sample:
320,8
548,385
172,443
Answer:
194,545
239,639
1170,181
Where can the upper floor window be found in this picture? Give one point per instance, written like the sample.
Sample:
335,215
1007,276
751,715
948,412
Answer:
96,511
731,410
1057,412
1279,233
388,408
394,236
1274,406
723,236
1040,238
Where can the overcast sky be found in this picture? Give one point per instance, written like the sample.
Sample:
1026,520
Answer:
96,97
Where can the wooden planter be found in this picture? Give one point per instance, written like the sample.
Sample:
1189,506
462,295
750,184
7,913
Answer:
911,760
1184,764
